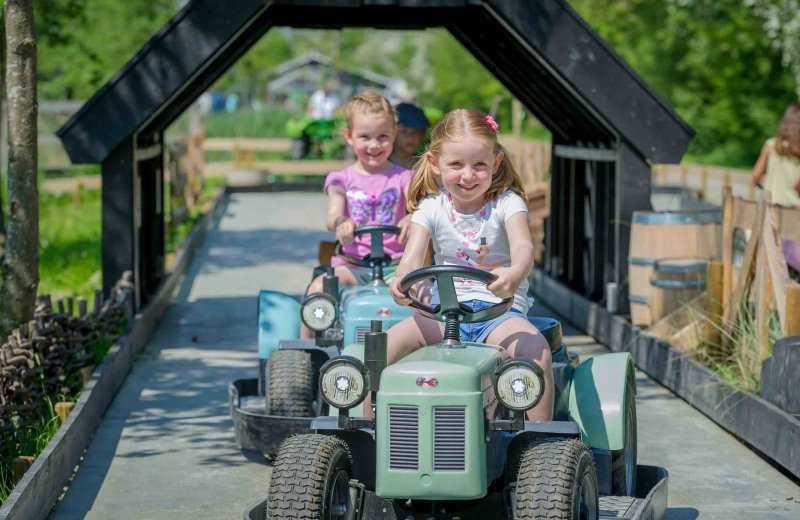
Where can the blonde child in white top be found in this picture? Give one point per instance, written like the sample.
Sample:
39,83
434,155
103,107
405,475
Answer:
468,199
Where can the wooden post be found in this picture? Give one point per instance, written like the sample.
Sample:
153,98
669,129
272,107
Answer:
792,325
77,195
703,183
684,175
727,250
726,178
714,279
63,409
763,297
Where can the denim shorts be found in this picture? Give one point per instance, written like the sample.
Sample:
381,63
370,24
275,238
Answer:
479,331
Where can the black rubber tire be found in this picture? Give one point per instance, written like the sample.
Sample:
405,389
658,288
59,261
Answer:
623,462
291,384
556,480
309,478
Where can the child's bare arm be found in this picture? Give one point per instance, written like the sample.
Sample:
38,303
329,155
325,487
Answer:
335,220
521,248
413,258
760,168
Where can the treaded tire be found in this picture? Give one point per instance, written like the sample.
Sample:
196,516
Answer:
291,387
556,480
623,462
309,478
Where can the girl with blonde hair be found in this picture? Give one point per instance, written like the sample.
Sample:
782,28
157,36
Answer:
467,198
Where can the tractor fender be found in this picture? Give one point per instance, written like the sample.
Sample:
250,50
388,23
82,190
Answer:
597,399
278,319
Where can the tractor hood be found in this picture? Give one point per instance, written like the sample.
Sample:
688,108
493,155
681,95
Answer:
444,369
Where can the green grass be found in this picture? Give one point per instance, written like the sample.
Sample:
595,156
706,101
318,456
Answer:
69,245
268,122
28,440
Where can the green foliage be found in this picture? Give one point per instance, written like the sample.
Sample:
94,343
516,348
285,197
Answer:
84,43
27,440
69,245
711,60
268,122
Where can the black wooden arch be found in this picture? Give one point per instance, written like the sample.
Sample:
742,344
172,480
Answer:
607,125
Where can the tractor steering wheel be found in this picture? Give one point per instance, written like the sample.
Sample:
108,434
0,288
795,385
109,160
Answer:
376,255
449,307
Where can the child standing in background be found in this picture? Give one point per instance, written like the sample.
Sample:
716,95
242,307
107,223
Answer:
411,127
370,191
778,172
479,220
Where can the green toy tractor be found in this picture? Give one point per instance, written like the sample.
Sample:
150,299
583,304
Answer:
449,438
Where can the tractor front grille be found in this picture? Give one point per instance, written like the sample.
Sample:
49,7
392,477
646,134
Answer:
449,438
361,333
404,437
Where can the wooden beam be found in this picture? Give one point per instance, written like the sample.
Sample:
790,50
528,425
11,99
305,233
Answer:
763,297
776,261
727,250
746,272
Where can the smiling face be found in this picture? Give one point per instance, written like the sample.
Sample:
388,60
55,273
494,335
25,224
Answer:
371,137
466,167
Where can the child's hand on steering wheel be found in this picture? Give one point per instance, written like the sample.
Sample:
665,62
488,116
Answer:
394,289
421,291
344,231
506,284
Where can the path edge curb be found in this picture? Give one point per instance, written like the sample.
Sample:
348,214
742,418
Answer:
39,489
761,425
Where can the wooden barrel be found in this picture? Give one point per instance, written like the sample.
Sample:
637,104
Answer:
664,235
675,282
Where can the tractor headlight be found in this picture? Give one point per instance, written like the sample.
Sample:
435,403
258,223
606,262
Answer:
519,384
343,382
318,311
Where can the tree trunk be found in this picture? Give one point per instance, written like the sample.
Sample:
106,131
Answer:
21,261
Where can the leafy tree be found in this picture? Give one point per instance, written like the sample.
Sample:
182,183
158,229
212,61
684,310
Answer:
710,59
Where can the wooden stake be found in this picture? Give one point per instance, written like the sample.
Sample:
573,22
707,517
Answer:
763,293
726,179
792,325
703,184
713,302
727,250
63,409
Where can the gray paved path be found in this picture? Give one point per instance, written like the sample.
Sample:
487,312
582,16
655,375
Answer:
165,448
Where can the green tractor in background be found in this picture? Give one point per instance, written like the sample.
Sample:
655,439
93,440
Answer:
316,138
449,438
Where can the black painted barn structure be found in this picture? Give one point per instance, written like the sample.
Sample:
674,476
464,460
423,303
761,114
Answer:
607,125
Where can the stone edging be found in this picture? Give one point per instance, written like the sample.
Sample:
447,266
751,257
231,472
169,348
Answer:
760,424
37,491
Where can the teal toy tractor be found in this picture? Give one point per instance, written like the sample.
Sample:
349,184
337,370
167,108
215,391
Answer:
285,397
449,437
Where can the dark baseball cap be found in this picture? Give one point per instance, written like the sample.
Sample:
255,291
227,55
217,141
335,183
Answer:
411,116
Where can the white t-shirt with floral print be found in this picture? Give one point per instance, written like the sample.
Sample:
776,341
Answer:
475,240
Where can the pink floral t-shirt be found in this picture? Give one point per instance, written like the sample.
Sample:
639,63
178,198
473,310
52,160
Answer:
372,199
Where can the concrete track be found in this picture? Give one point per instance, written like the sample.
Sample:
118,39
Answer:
165,447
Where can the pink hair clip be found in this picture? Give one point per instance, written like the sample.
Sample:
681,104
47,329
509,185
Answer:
492,123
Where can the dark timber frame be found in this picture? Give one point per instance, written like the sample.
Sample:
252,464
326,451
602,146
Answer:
607,125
